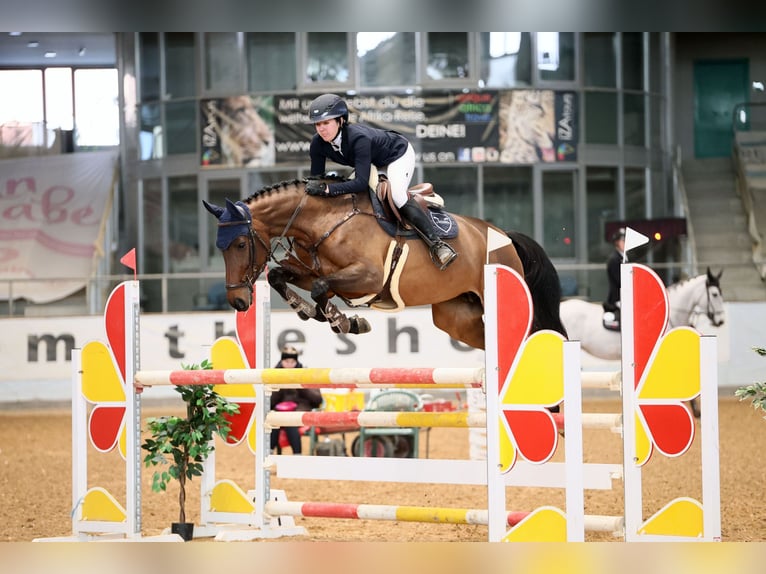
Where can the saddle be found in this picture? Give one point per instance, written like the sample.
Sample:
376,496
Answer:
424,195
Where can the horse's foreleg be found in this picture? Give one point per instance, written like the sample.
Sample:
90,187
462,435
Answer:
278,279
339,322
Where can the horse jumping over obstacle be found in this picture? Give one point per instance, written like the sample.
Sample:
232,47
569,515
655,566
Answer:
342,246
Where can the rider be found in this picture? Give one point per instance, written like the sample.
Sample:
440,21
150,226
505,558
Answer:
360,147
612,303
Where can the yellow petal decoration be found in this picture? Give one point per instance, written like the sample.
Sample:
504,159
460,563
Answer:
507,448
99,505
643,443
228,497
539,376
226,354
675,372
680,517
101,382
546,524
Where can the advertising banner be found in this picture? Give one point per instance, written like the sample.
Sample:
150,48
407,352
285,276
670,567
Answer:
51,213
510,126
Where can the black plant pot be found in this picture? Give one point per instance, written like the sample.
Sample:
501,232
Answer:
184,529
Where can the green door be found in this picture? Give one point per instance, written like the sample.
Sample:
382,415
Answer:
719,85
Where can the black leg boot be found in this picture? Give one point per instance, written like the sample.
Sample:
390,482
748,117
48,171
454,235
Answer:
441,253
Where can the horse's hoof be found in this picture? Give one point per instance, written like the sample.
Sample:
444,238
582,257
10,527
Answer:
359,325
302,316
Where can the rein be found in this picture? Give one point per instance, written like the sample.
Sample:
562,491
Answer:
696,310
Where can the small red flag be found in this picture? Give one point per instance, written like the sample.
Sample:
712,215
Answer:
129,260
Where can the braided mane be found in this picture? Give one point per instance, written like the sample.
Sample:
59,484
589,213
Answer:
277,187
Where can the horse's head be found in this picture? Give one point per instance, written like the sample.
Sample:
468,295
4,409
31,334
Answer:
714,305
245,253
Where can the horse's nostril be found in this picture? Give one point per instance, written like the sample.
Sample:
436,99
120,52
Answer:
240,304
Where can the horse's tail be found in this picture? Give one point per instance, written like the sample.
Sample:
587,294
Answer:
543,282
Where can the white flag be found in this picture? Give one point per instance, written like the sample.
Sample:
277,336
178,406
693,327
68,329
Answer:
633,239
496,240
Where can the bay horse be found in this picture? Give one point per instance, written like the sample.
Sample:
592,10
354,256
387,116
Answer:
337,246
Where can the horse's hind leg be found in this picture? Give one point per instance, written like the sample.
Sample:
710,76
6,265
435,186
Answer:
461,318
339,322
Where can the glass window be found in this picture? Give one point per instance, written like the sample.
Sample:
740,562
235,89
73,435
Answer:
23,103
149,65
600,117
222,64
183,232
600,59
633,121
602,202
556,56
505,59
150,133
508,198
386,58
632,60
635,193
150,259
558,213
656,126
181,123
257,180
97,109
58,98
327,59
447,55
271,61
457,185
179,65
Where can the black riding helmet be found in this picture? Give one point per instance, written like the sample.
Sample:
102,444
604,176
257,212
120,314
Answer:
327,107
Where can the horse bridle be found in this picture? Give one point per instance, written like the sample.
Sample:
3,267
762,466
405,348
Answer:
252,274
709,311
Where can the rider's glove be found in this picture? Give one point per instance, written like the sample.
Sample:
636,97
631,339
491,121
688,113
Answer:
314,187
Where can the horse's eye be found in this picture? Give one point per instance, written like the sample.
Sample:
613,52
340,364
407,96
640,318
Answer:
242,245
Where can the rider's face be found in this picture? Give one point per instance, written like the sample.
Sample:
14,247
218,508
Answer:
328,129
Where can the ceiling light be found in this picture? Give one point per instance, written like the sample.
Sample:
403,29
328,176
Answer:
14,33
50,54
81,51
33,44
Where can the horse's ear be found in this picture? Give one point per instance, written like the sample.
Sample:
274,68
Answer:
214,209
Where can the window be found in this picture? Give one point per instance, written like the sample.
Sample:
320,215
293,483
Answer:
183,232
180,76
59,107
556,56
271,61
222,63
505,59
386,58
602,201
632,60
600,117
600,60
457,185
327,59
97,110
447,56
635,193
181,123
21,108
633,119
558,213
508,198
149,66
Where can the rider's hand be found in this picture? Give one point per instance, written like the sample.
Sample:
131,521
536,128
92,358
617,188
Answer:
314,187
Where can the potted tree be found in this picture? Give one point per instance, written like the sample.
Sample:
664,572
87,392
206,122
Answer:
755,392
184,443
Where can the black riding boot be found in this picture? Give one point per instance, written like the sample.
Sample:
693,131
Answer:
441,253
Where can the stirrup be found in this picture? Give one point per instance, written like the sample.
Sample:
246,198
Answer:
434,251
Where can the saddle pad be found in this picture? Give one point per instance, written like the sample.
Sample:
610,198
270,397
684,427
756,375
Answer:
444,224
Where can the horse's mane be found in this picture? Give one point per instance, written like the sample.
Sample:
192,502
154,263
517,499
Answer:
292,183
